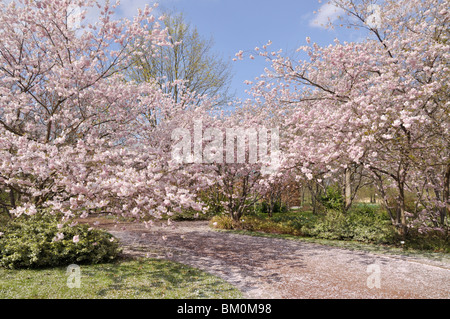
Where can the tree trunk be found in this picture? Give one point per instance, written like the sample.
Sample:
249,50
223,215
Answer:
348,189
379,184
445,195
303,197
373,198
7,213
12,198
401,217
270,210
236,216
313,200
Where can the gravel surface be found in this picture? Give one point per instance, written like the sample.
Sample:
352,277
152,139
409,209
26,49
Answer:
268,268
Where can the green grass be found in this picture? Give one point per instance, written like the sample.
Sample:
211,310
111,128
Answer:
127,279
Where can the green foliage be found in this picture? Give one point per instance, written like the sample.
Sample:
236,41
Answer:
191,215
333,199
433,240
364,223
367,209
4,197
282,224
262,208
222,222
29,242
4,218
278,207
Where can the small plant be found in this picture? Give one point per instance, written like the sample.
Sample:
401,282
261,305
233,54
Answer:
43,240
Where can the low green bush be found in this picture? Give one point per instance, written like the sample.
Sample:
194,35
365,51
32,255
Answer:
254,223
366,223
333,199
363,224
278,208
192,215
432,240
31,242
222,222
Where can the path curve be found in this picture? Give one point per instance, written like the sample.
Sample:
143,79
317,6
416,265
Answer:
266,268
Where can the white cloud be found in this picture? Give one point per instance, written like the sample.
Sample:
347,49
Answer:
326,14
129,8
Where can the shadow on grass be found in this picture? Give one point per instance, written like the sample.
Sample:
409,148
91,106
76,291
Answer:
158,279
123,279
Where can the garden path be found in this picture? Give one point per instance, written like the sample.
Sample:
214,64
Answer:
265,268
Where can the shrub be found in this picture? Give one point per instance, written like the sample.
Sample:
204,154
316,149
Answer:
333,199
192,215
366,209
433,240
262,208
4,218
278,207
362,224
30,242
255,223
222,222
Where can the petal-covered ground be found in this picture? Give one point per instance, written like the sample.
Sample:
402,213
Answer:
288,269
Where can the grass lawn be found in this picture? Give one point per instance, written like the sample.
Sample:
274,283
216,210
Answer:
126,279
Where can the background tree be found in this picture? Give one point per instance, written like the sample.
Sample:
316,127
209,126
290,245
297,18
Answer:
189,58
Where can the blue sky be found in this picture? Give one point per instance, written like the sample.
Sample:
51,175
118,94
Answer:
244,24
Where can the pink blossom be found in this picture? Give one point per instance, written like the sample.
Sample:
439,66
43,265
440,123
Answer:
58,237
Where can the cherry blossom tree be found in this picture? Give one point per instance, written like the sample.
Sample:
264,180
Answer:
234,154
381,104
75,135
